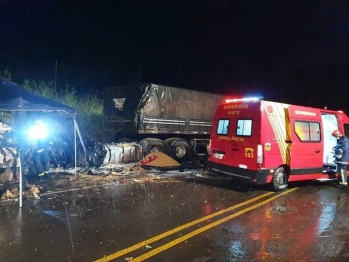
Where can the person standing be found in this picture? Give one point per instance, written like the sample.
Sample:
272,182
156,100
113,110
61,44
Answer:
41,159
341,151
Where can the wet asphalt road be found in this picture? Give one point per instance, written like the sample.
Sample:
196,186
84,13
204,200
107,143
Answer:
189,219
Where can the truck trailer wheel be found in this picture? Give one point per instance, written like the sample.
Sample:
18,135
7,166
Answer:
153,145
280,180
179,149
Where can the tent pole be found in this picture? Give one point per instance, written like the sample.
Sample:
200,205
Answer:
80,139
20,181
75,145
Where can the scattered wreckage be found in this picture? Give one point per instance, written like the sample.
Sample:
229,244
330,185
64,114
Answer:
145,171
101,160
66,152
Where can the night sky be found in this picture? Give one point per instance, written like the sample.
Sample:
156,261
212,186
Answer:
288,51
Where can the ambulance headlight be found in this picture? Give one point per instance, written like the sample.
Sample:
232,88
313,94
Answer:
37,131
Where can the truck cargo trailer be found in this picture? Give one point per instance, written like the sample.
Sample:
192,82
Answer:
172,120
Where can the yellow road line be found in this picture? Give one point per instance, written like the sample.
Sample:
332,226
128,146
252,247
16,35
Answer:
207,227
177,229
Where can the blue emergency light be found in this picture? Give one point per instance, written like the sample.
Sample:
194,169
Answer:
38,131
244,99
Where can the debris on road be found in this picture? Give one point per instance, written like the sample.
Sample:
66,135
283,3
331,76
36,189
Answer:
6,195
32,189
160,160
36,196
12,191
6,175
60,180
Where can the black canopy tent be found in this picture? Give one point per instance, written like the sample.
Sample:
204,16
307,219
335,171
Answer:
16,99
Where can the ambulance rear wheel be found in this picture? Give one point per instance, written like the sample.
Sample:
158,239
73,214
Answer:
280,180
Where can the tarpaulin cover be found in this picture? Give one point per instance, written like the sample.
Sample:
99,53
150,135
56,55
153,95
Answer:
160,101
175,102
155,109
13,97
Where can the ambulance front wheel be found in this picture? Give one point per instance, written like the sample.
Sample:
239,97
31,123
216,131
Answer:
280,179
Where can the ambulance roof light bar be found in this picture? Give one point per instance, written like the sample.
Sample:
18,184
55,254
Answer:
244,99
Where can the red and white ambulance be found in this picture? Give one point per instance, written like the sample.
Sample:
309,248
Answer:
266,142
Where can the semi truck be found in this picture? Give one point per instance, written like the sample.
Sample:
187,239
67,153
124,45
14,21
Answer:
173,120
266,142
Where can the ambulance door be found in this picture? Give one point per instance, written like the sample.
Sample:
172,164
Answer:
244,136
219,143
306,150
329,123
233,141
346,129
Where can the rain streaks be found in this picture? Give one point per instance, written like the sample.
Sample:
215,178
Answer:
69,227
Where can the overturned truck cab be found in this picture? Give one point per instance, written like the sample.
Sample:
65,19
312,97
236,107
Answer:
172,120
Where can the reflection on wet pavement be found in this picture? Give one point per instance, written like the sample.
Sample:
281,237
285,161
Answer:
310,224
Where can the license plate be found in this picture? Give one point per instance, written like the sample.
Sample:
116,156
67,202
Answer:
218,155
